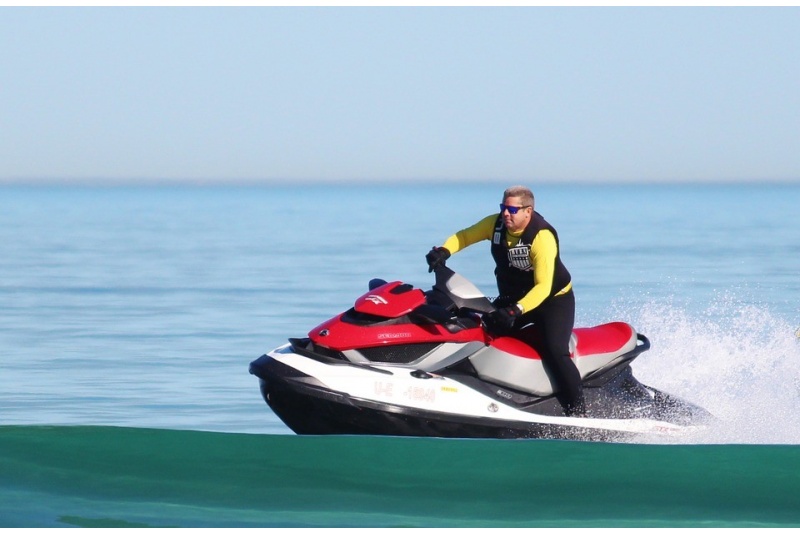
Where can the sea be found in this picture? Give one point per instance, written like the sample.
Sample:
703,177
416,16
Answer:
129,315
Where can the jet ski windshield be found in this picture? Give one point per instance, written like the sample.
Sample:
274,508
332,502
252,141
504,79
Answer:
463,292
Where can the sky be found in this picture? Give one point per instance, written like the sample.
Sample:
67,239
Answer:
396,94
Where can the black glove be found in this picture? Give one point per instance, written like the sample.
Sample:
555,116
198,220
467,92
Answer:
436,257
504,317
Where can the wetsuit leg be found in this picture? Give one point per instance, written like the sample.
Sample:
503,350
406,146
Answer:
555,320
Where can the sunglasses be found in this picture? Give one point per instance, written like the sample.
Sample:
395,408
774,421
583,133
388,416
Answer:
512,209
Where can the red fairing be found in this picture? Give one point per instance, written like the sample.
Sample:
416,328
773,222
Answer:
390,300
339,335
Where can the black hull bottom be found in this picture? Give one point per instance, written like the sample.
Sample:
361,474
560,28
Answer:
308,408
312,415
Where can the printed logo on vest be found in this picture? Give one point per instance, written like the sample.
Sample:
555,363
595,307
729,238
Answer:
496,238
520,257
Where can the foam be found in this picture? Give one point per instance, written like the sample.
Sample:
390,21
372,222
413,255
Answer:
739,361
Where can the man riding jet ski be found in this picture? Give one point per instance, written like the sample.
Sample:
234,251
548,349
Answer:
536,303
408,362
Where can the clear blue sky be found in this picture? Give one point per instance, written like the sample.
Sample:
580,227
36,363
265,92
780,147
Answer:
527,94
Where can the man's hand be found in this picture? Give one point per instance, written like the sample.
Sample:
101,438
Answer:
504,317
436,257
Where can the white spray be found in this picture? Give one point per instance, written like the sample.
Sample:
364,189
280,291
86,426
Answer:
737,361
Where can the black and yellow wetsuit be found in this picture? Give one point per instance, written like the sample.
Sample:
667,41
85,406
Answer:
528,264
530,274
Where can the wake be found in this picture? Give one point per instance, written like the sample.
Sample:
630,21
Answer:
739,362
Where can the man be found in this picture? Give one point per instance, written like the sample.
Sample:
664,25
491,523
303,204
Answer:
535,287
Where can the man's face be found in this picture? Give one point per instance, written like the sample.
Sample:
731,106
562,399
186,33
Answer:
519,220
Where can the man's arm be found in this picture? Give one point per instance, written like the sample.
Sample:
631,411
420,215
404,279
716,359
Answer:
544,250
480,231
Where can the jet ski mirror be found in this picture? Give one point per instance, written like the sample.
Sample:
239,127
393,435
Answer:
375,283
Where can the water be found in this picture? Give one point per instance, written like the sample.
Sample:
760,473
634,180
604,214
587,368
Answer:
127,308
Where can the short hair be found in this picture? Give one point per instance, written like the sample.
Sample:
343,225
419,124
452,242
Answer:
520,191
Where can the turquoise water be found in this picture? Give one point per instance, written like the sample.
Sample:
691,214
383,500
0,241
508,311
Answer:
112,477
129,315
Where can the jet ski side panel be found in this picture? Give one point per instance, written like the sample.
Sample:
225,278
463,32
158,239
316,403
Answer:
498,363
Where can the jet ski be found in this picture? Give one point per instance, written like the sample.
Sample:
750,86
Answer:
408,362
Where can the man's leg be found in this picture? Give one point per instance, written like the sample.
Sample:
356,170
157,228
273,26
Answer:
556,320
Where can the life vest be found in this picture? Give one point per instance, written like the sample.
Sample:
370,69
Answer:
514,271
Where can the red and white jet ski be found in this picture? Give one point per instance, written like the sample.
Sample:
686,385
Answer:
408,362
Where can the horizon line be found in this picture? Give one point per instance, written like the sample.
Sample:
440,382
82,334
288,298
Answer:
240,182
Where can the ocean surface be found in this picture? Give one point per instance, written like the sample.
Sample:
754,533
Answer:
129,316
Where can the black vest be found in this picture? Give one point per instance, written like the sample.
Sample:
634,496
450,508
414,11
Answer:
514,271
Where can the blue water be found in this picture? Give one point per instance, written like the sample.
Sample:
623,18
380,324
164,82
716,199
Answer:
141,307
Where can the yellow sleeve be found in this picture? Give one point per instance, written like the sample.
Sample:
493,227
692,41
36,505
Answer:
543,259
480,231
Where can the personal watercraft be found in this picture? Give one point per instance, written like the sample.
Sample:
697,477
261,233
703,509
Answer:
408,362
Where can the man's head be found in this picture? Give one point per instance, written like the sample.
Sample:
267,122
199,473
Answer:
518,199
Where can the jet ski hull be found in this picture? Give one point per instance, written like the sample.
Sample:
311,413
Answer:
620,410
